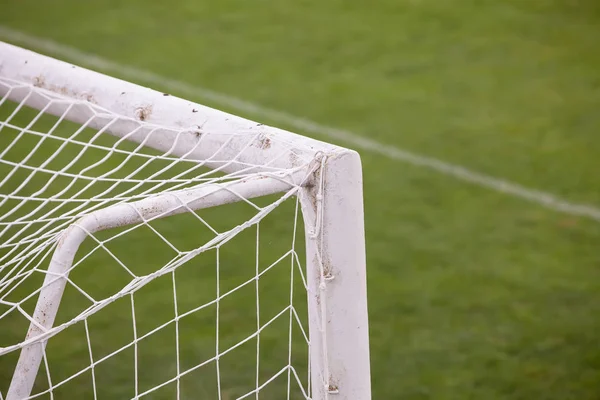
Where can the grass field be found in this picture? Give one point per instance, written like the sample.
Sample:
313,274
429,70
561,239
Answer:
474,294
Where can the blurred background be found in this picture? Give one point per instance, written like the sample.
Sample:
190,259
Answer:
477,289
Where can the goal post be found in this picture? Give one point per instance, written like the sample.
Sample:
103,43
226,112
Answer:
168,157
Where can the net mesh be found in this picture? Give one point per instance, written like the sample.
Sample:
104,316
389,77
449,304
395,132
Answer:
181,301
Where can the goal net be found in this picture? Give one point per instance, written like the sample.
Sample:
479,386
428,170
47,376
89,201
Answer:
151,247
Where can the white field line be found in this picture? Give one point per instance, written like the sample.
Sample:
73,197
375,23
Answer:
541,198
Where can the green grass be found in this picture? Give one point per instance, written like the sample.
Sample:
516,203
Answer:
473,294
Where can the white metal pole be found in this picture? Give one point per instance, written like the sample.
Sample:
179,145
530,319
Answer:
182,122
332,205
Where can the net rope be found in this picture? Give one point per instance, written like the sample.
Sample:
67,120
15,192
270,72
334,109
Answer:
54,173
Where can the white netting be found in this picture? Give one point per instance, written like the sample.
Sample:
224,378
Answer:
178,300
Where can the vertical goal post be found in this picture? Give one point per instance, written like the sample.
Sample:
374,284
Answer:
252,160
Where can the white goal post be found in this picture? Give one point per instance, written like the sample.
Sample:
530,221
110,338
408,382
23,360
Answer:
220,159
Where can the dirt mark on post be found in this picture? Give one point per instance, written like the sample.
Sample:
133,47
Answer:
143,113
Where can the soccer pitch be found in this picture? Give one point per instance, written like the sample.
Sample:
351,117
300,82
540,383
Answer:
473,293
